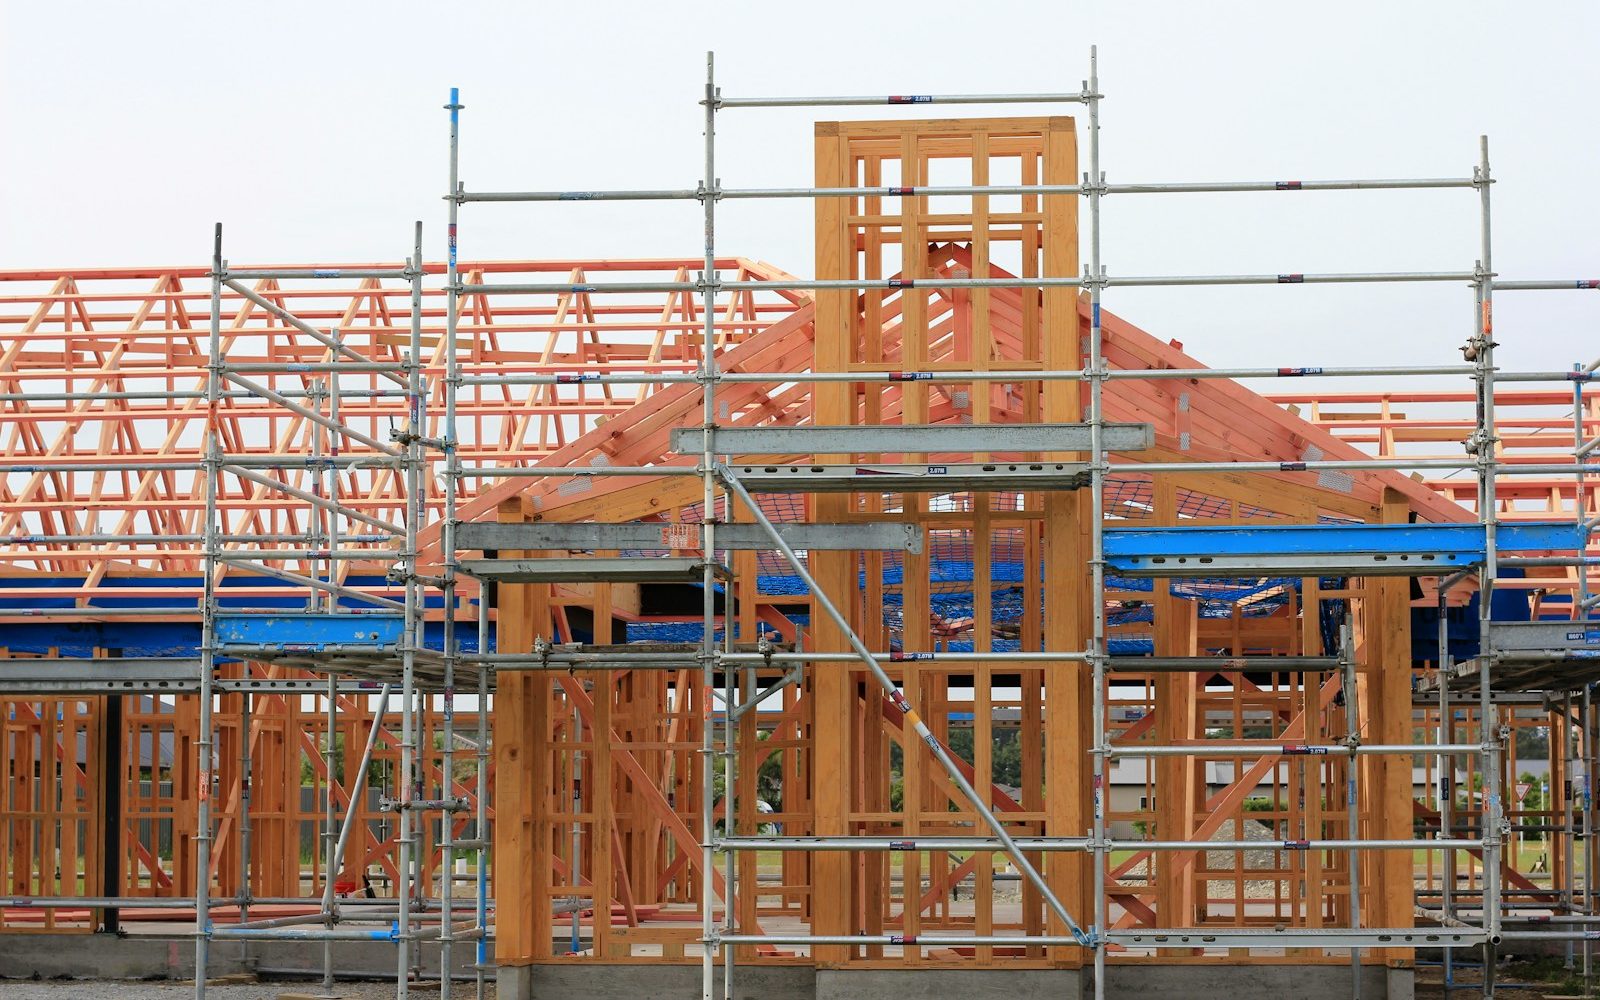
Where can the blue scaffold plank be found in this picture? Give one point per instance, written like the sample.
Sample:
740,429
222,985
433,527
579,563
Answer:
1323,549
309,632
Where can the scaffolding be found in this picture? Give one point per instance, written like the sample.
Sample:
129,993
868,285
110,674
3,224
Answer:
1325,550
362,632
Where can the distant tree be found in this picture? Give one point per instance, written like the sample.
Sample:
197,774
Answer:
1533,743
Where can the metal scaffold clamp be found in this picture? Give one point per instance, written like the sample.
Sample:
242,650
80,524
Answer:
541,649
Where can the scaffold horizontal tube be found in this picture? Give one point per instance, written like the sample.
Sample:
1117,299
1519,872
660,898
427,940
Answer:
574,471
956,190
1401,844
1330,937
1503,468
48,464
898,656
303,934
1205,748
896,284
723,103
1206,664
945,376
1548,284
924,940
313,367
297,273
78,397
580,661
1224,187
1301,937
906,843
658,194
1047,844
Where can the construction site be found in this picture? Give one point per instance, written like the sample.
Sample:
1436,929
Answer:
683,627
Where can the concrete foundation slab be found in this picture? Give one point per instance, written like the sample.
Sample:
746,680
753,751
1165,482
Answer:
108,956
1140,980
942,984
651,982
1135,981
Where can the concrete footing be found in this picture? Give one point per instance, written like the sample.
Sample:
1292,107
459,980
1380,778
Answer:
1133,981
100,956
107,956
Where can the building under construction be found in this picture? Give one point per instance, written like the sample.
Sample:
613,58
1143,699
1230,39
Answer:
681,627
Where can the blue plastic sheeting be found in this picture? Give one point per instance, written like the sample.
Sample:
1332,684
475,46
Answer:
1461,623
293,599
143,638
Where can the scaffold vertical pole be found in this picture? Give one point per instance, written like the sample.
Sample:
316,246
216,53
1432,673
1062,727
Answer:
406,784
1094,183
245,832
447,536
480,824
1447,774
1580,497
730,794
1586,746
208,630
1352,718
708,518
1487,462
330,822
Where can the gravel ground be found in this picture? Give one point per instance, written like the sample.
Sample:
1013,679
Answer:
74,989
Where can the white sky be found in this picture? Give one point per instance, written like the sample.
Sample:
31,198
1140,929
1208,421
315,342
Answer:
314,132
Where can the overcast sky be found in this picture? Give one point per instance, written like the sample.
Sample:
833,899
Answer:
314,132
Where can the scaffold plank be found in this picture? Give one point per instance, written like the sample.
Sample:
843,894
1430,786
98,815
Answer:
1322,549
996,477
591,569
901,439
537,536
